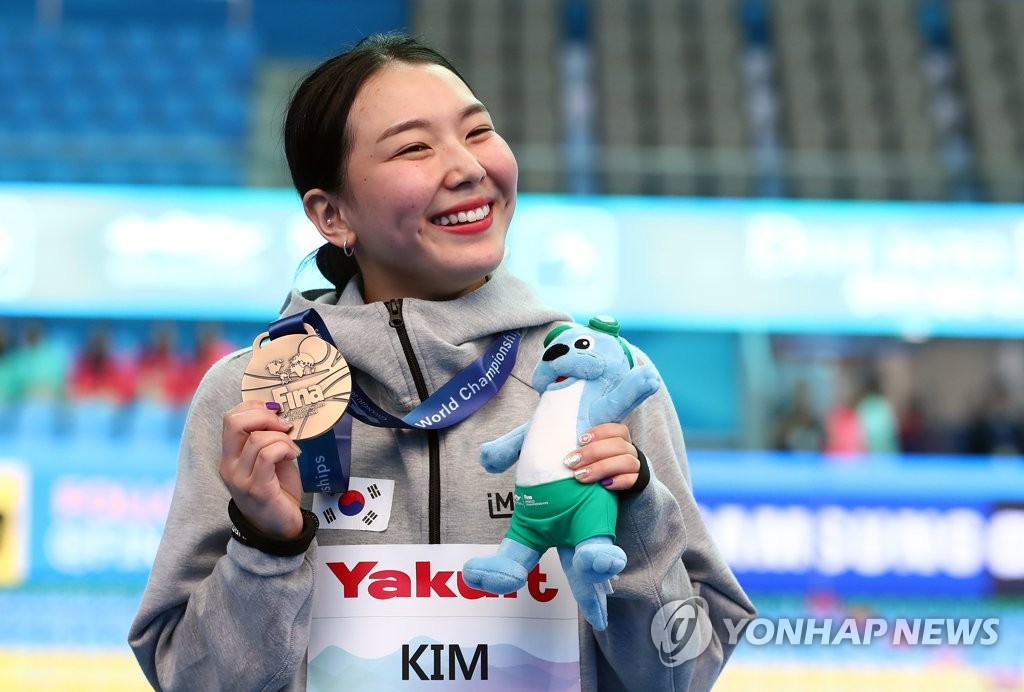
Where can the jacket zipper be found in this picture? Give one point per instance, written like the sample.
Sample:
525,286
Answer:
433,439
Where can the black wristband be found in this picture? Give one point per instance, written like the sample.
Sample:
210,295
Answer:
247,534
643,475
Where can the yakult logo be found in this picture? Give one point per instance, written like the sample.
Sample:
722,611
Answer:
423,582
681,630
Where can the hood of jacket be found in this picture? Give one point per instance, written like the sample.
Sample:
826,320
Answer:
445,336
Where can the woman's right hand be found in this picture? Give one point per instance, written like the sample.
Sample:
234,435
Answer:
258,466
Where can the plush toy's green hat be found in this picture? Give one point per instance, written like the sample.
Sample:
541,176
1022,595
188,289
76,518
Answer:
602,323
610,325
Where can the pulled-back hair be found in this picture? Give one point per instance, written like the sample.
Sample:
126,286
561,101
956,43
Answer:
317,140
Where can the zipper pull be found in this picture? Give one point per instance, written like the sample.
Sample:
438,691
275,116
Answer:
395,309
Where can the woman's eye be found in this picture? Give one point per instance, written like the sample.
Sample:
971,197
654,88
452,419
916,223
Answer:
413,149
481,131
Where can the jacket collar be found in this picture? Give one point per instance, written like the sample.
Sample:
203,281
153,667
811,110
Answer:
445,335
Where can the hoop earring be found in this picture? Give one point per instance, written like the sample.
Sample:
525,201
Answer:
346,250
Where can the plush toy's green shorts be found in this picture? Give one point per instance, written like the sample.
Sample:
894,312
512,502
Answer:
562,513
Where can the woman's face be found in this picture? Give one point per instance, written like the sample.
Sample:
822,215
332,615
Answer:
431,186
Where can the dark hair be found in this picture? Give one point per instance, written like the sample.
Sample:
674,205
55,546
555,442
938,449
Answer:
316,132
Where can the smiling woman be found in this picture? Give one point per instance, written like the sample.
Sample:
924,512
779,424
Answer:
387,143
429,198
403,175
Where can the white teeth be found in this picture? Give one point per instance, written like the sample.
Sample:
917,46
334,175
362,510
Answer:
464,216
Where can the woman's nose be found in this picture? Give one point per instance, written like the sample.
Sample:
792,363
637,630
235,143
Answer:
464,168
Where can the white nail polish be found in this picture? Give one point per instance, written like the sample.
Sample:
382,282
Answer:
572,459
581,473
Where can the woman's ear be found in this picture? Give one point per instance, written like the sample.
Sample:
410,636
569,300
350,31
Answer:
324,210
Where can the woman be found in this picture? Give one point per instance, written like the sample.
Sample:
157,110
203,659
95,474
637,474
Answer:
402,173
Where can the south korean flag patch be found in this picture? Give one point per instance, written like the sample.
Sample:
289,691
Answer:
365,506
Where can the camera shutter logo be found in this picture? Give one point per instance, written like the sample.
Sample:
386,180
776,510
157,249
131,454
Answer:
681,630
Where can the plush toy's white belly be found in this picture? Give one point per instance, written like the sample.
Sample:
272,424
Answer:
551,437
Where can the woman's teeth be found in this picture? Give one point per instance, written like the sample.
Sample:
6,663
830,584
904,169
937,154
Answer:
464,216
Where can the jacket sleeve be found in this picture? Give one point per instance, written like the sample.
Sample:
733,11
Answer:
216,614
670,557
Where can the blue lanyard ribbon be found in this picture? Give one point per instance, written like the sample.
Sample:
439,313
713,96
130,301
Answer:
326,460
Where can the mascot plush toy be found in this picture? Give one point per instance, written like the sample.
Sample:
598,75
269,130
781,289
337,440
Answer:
586,377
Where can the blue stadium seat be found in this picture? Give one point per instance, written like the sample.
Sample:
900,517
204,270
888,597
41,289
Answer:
25,110
217,175
110,75
37,420
85,42
186,41
239,54
95,421
162,172
125,112
11,76
37,44
151,90
60,170
135,40
112,172
10,171
150,422
77,112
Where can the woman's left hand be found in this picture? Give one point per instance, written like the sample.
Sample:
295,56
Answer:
606,455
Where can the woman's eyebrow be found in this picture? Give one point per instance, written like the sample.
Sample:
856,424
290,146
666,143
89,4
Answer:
472,109
401,127
417,123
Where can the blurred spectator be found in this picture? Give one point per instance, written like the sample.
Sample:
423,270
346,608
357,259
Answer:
877,418
210,347
913,428
843,433
7,393
996,428
798,428
39,368
98,374
158,367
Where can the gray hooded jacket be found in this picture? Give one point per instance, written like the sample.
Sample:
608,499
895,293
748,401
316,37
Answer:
218,615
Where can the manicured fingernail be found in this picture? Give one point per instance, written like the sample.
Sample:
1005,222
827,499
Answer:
273,406
581,473
585,438
572,459
287,423
606,482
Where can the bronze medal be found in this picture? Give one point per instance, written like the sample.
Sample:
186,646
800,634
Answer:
307,376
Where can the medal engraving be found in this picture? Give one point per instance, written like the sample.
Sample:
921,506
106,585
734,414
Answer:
307,376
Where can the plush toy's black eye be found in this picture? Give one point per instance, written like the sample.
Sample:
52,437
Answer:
582,344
